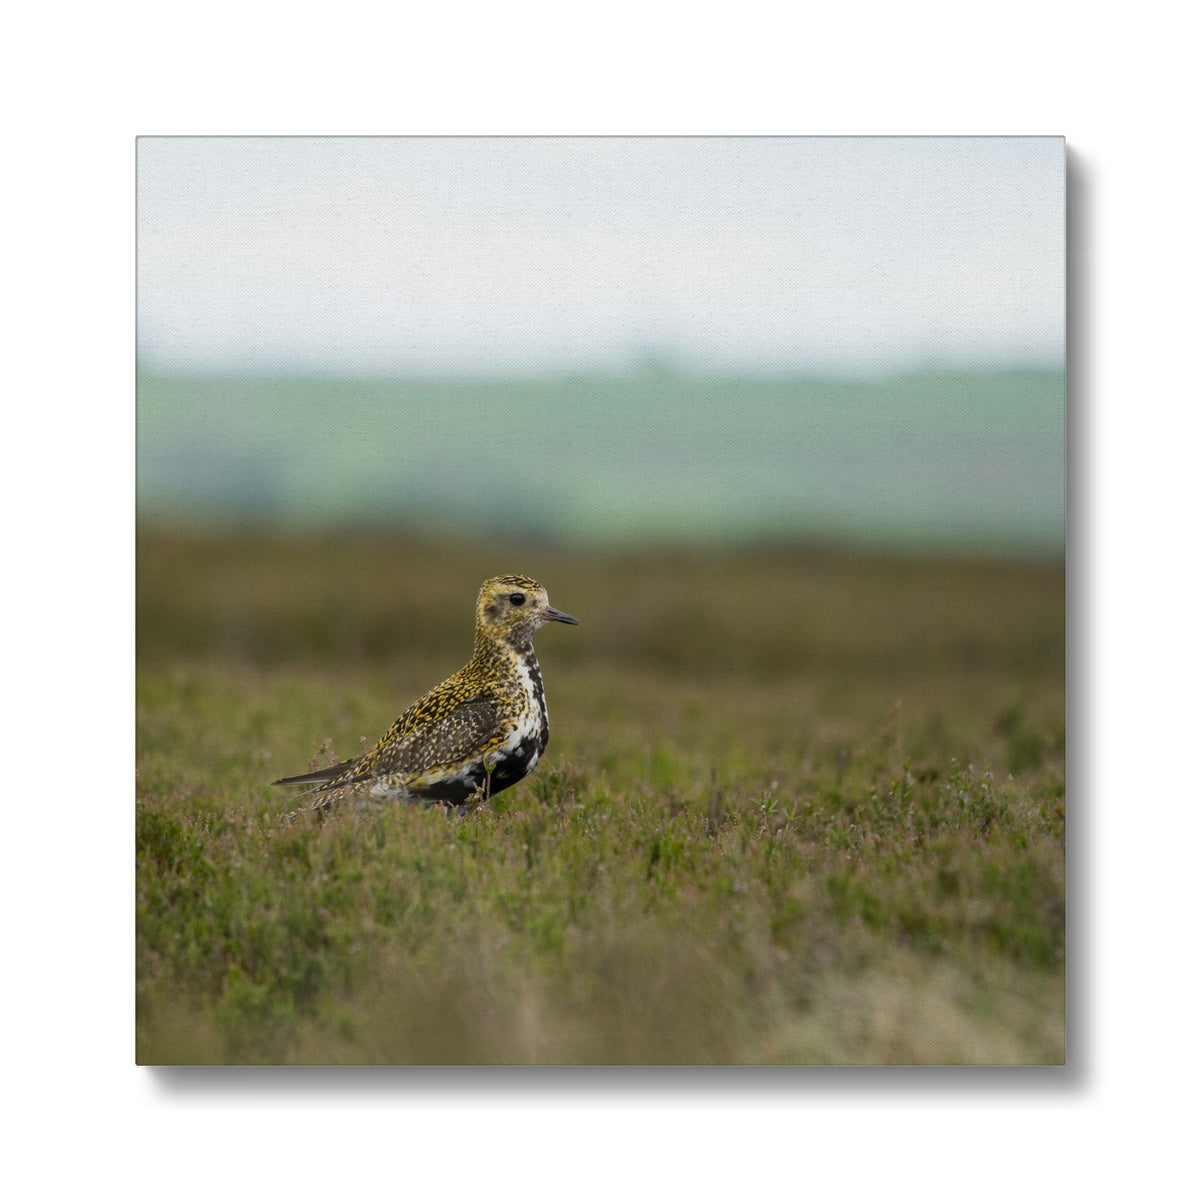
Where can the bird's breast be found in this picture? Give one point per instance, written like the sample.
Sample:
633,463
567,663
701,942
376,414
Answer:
534,724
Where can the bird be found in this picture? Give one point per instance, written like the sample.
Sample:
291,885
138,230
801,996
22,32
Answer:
472,736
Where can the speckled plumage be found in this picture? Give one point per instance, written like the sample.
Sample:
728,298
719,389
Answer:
480,731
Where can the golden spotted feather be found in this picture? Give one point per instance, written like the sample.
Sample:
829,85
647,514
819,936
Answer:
477,733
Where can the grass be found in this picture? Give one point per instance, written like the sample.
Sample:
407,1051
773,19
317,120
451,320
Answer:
798,807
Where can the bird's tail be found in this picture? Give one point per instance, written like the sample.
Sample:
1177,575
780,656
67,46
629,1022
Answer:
322,776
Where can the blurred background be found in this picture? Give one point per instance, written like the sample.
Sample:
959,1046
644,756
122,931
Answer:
606,341
780,421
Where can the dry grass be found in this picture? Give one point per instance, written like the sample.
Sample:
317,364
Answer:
798,807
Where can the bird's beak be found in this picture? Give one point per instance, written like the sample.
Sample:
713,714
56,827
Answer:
552,614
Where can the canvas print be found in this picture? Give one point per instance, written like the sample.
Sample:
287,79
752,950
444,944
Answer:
600,601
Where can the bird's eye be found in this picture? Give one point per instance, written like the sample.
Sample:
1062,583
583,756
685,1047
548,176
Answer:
517,598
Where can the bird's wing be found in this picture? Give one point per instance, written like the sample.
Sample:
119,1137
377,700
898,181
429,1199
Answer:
428,735
422,740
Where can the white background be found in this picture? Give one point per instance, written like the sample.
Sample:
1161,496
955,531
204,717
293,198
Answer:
493,255
80,83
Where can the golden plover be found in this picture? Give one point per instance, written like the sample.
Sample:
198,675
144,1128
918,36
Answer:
481,731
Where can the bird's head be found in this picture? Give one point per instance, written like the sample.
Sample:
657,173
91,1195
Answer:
513,608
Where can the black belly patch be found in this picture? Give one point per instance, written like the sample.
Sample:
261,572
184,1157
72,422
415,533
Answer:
509,769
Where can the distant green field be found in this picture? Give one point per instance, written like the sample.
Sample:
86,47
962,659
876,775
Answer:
949,459
798,807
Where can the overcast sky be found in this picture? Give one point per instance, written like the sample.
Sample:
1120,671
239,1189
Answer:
477,255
